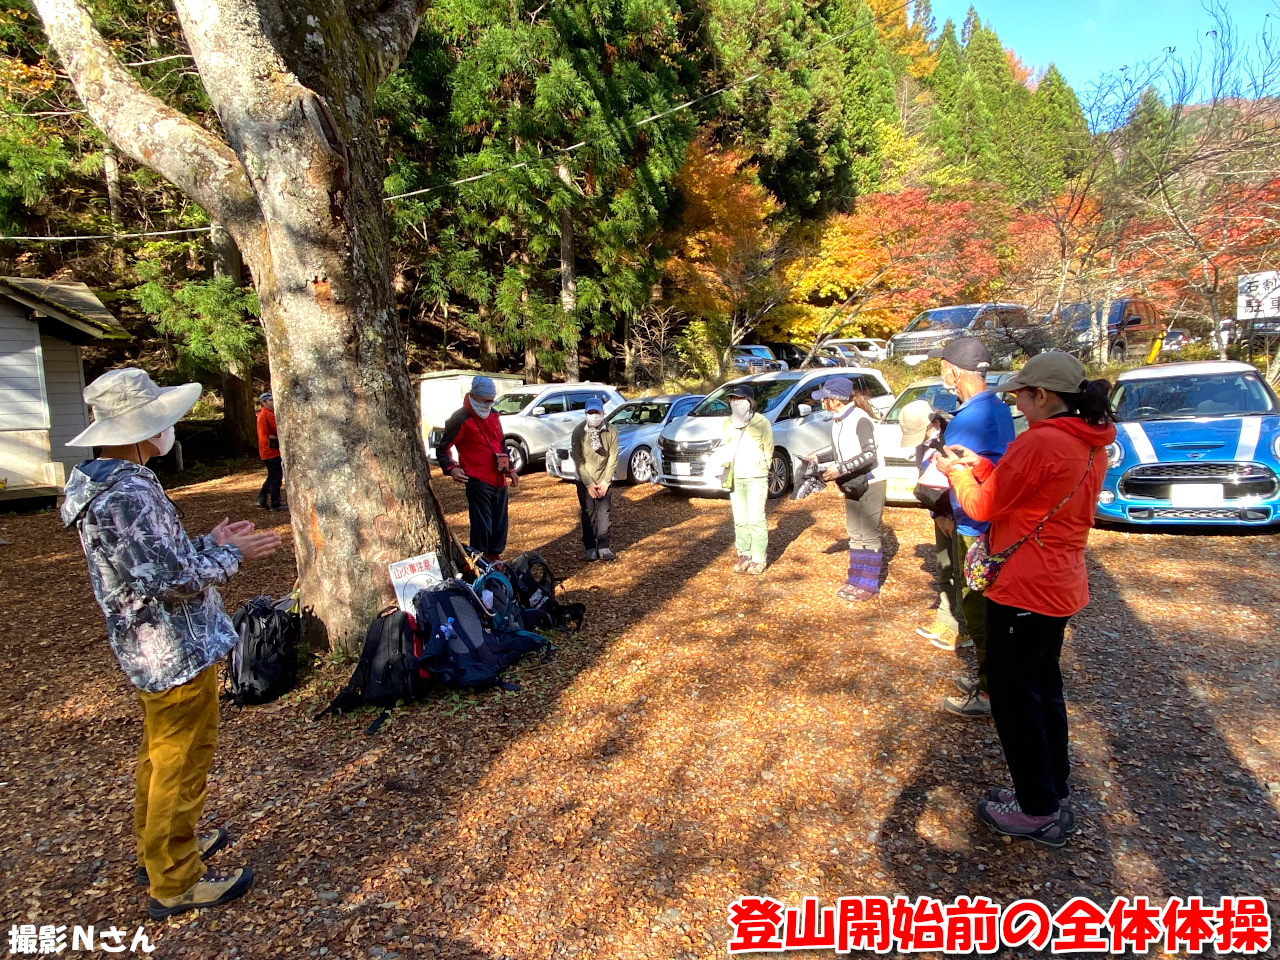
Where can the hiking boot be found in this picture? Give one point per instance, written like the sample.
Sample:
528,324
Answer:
976,706
262,502
965,684
854,594
209,844
1008,819
607,554
755,569
212,890
1066,813
743,562
591,556
950,639
279,508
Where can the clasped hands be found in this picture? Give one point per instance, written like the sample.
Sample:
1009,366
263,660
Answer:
243,537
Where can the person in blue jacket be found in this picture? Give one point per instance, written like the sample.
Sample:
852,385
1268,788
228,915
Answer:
982,422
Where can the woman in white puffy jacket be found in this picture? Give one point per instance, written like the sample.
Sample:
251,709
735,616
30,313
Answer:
855,472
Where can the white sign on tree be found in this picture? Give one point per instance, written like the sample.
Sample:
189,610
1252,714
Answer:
1258,296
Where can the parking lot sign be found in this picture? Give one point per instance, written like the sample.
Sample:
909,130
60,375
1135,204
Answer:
1258,296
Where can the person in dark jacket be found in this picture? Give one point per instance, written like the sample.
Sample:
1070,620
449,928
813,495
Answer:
594,448
475,435
158,590
269,452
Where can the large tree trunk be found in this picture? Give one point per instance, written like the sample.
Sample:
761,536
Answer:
298,185
354,462
238,424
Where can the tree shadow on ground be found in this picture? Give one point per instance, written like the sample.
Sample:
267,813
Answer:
1165,805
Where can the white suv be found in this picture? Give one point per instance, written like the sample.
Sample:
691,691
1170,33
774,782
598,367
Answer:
535,417
800,427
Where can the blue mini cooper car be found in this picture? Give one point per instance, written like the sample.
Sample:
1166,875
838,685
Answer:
1196,443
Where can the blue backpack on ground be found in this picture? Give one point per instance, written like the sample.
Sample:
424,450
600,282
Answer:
464,645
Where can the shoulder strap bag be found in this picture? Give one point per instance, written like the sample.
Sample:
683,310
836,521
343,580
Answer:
981,566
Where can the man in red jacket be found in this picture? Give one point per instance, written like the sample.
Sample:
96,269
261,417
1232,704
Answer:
269,451
475,435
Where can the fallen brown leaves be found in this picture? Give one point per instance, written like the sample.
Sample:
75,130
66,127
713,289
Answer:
707,736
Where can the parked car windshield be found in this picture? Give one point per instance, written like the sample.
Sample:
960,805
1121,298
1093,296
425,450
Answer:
639,412
769,394
935,394
755,351
1188,396
512,402
938,396
943,318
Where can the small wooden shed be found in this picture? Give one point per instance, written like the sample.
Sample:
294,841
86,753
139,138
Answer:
43,325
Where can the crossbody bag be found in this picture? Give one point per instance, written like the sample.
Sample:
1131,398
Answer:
981,566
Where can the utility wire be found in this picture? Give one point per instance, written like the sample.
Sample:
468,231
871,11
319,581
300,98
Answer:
562,151
110,236
559,152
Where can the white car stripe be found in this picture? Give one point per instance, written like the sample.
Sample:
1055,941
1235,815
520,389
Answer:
1141,442
1250,430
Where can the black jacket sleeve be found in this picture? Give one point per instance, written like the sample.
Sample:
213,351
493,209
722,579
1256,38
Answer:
451,428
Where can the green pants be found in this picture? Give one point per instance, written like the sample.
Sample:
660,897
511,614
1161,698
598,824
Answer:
179,733
972,604
750,528
949,613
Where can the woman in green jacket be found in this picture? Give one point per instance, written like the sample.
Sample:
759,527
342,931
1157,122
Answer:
594,448
749,440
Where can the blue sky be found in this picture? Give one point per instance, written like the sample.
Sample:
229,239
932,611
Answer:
1086,38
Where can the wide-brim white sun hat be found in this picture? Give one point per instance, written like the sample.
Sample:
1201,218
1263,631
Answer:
129,408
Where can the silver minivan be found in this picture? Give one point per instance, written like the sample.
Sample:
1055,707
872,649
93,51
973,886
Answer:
800,427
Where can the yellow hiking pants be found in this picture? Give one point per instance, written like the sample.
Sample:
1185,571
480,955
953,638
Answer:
179,732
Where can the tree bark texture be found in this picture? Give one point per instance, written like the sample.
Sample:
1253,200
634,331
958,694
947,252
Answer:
297,185
568,285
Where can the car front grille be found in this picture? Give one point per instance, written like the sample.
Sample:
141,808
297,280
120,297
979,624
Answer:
562,454
1152,481
1243,514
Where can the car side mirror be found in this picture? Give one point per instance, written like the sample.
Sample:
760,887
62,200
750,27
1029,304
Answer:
539,411
805,409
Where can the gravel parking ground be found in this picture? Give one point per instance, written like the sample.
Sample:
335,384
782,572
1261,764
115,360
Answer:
707,736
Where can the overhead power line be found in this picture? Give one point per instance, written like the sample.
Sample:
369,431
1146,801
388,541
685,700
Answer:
563,151
111,236
552,155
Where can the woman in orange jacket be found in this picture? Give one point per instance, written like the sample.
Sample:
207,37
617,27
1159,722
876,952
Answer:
1040,501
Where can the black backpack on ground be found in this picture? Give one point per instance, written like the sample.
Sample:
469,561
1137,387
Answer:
263,664
463,644
390,667
535,587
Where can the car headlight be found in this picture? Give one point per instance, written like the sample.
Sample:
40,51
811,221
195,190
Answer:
1106,498
1275,446
1115,455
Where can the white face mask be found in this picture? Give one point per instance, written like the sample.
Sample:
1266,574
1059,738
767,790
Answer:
740,408
595,419
481,408
163,441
